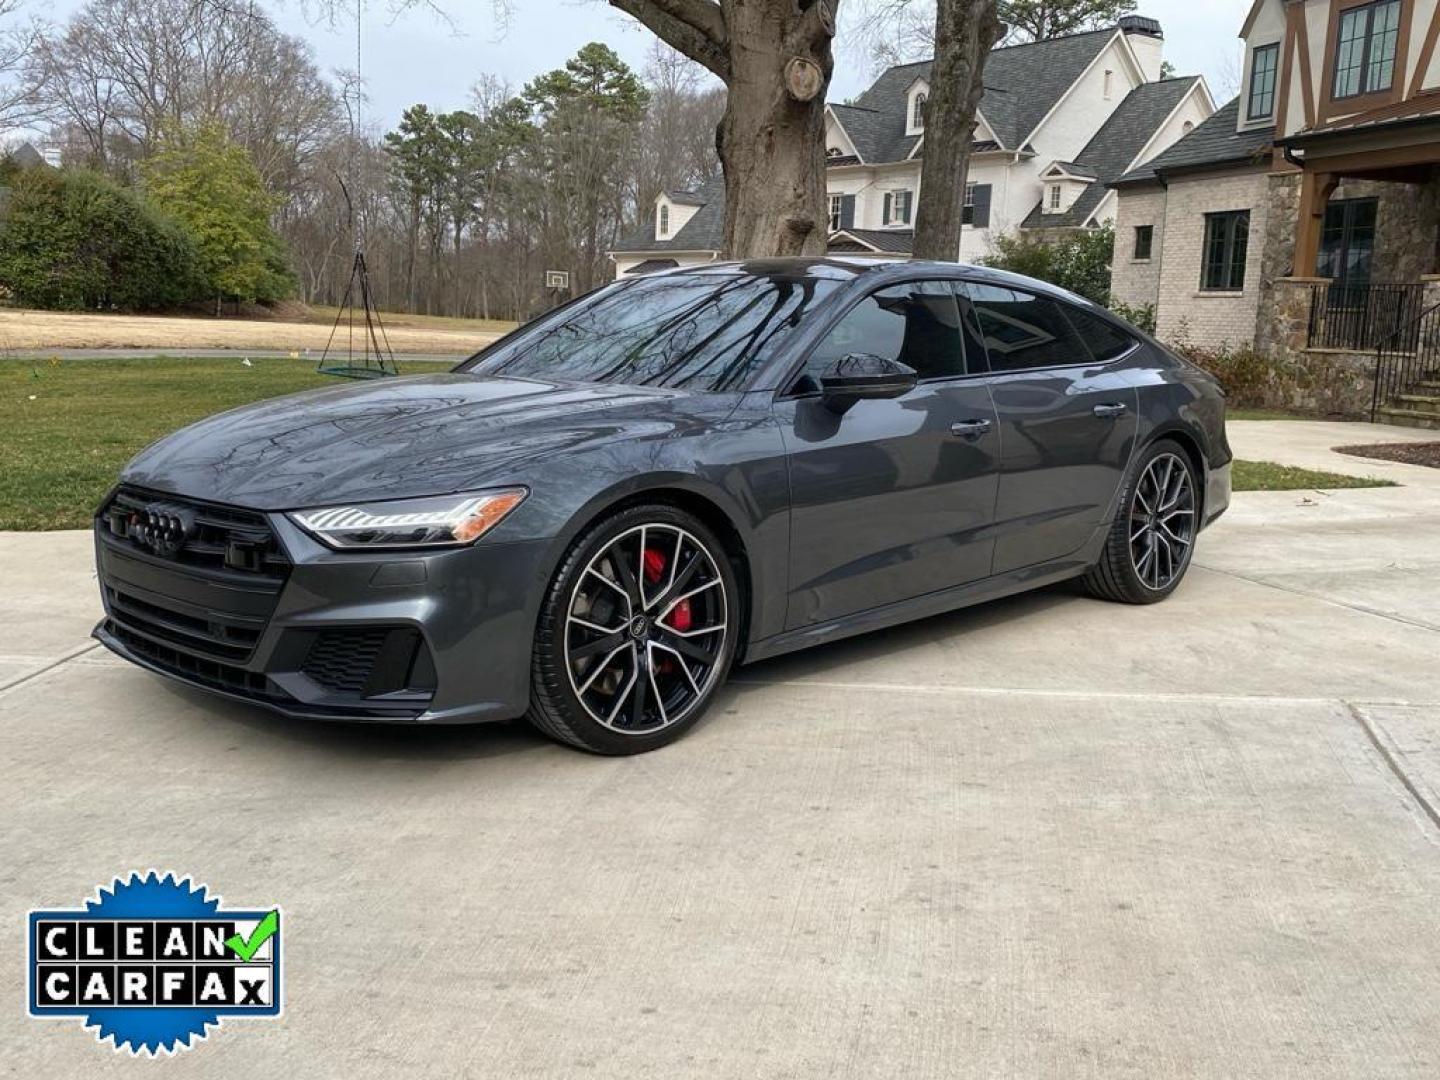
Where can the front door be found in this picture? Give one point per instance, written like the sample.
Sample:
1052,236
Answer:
892,499
1067,421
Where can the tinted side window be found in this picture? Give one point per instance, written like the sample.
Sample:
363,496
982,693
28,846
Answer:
1023,330
1105,342
917,323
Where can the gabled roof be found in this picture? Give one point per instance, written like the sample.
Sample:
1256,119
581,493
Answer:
873,132
1023,83
685,198
705,231
1214,143
1116,145
1072,170
882,241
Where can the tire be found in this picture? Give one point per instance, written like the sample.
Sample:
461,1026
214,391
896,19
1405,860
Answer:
645,605
1125,573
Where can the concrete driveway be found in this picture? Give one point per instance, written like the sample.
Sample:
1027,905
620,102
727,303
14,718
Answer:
1048,837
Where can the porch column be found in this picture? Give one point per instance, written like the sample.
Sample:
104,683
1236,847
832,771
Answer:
1315,191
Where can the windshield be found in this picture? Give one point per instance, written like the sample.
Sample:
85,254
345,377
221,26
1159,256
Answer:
697,332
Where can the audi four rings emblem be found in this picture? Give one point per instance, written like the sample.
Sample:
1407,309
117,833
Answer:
162,529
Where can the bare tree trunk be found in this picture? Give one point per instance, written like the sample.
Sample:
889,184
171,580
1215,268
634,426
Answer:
775,58
965,32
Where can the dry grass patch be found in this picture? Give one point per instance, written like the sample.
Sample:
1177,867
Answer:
37,330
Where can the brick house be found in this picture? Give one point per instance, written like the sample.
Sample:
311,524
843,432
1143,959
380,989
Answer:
1304,216
1058,122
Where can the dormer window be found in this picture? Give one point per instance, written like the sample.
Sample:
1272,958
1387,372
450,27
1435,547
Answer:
1056,193
1365,49
662,227
916,97
1263,68
1109,84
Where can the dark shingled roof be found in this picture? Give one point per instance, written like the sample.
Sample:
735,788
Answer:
1213,143
705,231
890,241
1022,84
685,198
1115,146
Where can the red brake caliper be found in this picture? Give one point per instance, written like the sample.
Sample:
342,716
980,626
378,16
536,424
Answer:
655,567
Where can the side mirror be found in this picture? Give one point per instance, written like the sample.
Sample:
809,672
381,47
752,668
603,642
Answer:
865,377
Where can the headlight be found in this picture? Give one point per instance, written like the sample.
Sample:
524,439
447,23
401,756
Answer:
447,521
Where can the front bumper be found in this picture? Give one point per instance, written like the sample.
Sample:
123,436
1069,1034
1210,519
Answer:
424,637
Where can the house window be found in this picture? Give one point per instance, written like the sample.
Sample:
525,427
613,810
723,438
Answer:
1109,84
1263,70
664,229
837,203
1055,195
1365,49
1227,242
967,212
917,112
1144,242
897,207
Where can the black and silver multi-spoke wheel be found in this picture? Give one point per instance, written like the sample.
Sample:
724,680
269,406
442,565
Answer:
1153,537
636,633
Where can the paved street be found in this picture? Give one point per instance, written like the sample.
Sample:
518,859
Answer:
1050,837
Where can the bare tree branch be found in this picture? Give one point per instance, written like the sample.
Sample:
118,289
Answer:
702,45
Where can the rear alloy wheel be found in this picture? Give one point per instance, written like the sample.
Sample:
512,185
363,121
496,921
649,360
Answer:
1153,537
637,633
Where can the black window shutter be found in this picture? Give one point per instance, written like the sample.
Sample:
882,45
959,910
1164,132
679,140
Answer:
847,211
889,201
982,206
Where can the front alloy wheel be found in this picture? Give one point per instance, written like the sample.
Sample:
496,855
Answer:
637,633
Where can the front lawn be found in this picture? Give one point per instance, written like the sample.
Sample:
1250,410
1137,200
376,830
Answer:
1267,476
66,427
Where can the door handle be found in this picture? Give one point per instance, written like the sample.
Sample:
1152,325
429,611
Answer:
1109,412
971,429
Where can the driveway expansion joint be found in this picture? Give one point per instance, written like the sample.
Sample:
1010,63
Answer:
46,668
1372,731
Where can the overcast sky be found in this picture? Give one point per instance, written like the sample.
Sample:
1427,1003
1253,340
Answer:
415,56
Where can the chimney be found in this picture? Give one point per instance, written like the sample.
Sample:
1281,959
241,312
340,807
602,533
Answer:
1148,41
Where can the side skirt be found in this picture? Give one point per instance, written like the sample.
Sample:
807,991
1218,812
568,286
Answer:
928,604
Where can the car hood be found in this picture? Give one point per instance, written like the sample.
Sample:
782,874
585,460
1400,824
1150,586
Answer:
396,438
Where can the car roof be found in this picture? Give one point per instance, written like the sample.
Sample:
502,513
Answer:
873,271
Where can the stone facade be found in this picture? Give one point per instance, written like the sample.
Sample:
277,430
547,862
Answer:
1407,226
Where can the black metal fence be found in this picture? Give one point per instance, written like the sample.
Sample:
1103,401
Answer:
1363,317
1410,355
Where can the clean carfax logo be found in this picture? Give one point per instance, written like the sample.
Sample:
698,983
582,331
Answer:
150,963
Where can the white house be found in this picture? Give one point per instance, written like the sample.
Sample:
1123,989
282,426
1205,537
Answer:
1059,120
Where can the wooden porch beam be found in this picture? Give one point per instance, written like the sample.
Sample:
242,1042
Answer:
1315,191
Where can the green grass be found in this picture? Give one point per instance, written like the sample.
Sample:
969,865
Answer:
1264,414
67,427
1267,476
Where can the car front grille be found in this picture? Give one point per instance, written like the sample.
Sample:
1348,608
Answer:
203,581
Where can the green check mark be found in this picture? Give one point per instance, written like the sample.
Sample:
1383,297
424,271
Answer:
244,948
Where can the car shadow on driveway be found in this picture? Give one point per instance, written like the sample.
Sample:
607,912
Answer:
362,740
451,742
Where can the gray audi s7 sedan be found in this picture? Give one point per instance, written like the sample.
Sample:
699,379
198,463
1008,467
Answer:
589,522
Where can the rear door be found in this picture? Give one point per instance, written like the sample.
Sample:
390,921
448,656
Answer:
1067,408
893,498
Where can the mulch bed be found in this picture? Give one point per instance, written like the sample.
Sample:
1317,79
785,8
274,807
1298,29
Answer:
1411,453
